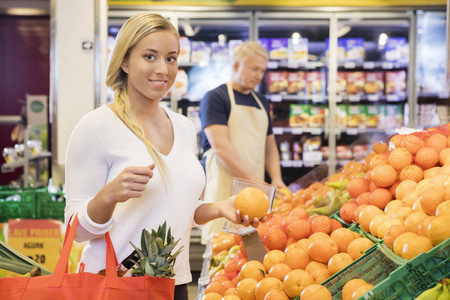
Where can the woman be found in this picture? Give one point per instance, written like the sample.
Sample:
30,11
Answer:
131,164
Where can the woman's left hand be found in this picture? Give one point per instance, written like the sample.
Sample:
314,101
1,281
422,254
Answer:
229,212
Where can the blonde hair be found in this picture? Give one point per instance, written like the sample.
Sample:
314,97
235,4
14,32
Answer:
249,48
133,31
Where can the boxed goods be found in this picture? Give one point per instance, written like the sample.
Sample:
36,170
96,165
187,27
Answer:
296,82
219,51
299,115
200,52
314,82
264,42
355,83
356,116
396,50
317,116
298,51
343,152
340,50
395,85
375,116
285,151
374,84
354,50
341,116
341,83
185,50
393,116
277,81
278,48
233,44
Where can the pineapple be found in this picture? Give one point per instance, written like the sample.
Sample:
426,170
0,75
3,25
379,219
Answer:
155,258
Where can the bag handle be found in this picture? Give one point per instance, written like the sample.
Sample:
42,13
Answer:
61,266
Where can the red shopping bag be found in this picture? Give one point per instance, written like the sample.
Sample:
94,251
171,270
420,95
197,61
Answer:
84,285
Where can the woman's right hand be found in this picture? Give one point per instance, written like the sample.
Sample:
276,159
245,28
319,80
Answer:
130,183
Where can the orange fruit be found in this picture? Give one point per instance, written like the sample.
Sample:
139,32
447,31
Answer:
338,262
378,159
401,240
320,275
363,198
445,169
276,295
385,225
314,266
300,212
288,220
393,206
357,186
212,296
342,237
252,202
443,155
439,179
361,291
347,211
228,284
439,230
391,234
400,158
443,209
215,287
380,147
358,211
231,291
380,197
350,286
358,247
231,297
413,221
296,258
410,197
279,271
415,246
315,291
402,213
383,175
265,285
321,224
252,269
335,224
431,197
367,214
299,229
412,172
295,282
404,187
426,157
272,258
303,244
437,141
246,288
275,239
393,188
422,229
412,143
431,172
376,222
322,250
395,141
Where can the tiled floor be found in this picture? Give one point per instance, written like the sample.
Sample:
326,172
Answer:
192,290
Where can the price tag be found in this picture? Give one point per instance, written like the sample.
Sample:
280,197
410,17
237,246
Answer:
392,98
352,131
350,65
374,97
276,98
277,130
38,239
297,163
443,95
316,98
311,65
297,130
387,65
272,64
292,65
369,65
316,131
354,98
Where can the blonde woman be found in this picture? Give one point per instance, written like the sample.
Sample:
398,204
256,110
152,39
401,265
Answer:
131,164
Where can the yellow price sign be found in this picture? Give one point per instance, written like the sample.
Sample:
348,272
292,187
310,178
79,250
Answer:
40,240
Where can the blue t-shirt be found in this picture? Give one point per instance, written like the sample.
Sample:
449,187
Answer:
215,108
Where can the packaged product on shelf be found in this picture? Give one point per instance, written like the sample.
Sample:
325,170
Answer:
185,50
299,115
341,116
396,51
312,144
340,50
354,50
298,51
219,51
427,114
343,152
314,82
317,116
9,154
201,53
233,44
297,150
375,116
296,82
395,85
285,152
180,87
325,152
393,116
341,83
374,84
278,48
360,152
264,42
277,81
356,116
355,83
312,153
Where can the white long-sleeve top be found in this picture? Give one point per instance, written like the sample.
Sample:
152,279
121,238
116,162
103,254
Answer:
100,147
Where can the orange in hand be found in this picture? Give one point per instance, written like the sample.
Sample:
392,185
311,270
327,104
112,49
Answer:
253,202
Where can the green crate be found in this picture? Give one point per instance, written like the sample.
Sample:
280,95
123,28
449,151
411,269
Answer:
416,276
336,216
50,205
373,267
17,203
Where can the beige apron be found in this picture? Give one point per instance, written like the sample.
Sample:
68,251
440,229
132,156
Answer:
247,128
